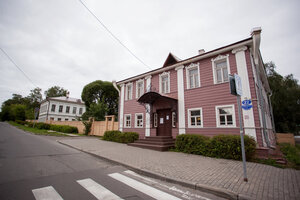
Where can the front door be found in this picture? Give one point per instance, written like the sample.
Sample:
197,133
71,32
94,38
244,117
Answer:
164,122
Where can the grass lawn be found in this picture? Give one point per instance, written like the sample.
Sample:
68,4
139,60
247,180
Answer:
36,131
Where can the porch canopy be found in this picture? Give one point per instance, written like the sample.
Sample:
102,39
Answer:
159,101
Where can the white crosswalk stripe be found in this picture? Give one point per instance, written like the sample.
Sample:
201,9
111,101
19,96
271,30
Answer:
46,193
150,191
97,190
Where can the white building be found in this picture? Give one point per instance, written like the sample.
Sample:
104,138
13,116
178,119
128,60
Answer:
61,109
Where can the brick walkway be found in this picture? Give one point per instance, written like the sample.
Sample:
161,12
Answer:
209,174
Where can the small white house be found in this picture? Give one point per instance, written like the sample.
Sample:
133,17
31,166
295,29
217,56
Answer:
61,109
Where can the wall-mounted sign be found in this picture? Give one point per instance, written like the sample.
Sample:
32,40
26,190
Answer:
247,104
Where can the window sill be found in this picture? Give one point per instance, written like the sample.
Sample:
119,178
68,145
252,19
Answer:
195,126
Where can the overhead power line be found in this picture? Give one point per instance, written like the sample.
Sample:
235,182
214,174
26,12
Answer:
18,67
115,37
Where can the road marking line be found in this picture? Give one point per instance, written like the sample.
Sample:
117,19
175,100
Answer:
97,190
150,191
184,194
46,193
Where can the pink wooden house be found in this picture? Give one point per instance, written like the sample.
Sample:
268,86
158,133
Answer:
192,96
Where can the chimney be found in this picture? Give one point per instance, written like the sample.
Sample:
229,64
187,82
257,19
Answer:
201,51
67,94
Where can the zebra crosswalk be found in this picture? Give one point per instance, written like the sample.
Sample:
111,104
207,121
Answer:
101,192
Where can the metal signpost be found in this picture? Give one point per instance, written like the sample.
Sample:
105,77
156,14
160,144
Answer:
236,89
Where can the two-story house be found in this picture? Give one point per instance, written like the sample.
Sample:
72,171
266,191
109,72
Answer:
192,96
61,109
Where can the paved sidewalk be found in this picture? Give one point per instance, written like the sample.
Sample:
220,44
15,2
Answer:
218,176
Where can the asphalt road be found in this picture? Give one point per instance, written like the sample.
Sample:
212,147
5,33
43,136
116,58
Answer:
38,167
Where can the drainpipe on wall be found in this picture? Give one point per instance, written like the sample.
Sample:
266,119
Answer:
115,86
271,111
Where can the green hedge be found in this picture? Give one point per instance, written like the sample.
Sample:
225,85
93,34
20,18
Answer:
121,137
220,146
63,128
42,125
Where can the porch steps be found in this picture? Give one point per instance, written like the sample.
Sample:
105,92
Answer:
157,143
273,153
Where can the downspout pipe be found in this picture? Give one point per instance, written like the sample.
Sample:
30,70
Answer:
271,111
116,87
48,108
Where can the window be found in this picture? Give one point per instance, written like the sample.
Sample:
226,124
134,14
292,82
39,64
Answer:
53,107
52,118
173,119
139,120
192,76
58,119
73,120
67,109
127,121
74,110
128,95
155,119
80,111
225,116
139,88
60,108
164,83
195,118
221,69
66,119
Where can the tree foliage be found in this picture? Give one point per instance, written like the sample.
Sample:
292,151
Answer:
285,100
21,108
55,91
101,98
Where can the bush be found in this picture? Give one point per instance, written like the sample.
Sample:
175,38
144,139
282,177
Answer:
21,122
118,136
229,147
292,153
194,144
87,127
63,128
220,146
41,125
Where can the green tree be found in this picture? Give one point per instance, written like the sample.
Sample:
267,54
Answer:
285,100
101,98
18,111
55,91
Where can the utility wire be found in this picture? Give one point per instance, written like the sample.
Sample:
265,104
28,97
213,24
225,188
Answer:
17,67
115,37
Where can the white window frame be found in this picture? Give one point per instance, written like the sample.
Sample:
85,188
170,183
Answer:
216,60
52,107
218,117
126,91
173,119
155,120
190,121
160,82
125,120
187,72
137,95
135,124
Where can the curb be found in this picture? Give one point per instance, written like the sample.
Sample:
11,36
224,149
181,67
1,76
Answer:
193,185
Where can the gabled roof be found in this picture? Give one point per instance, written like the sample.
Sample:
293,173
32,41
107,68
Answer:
171,59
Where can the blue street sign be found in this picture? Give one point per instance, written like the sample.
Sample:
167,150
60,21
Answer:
247,104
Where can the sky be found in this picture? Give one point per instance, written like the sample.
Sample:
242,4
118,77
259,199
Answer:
58,42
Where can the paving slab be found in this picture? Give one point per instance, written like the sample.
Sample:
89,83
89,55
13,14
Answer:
218,176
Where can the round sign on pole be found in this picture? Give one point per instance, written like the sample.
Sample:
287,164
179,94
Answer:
247,104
